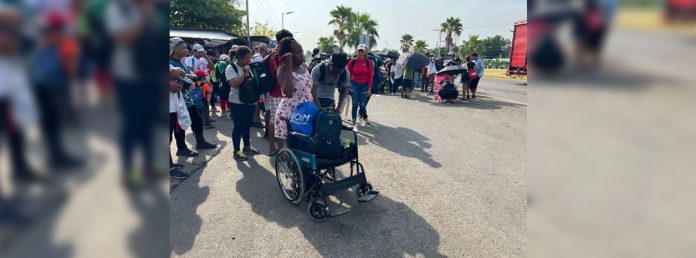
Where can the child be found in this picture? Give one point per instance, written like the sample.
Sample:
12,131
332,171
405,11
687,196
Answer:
202,101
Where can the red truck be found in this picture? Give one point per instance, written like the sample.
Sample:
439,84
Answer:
518,53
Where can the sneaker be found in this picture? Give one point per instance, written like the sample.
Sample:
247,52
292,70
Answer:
209,126
250,151
177,174
239,156
205,146
362,122
366,122
186,153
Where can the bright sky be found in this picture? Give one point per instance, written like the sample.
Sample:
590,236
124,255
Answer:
310,18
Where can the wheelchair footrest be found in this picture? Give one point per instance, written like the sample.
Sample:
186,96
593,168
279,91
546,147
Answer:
343,184
369,196
335,212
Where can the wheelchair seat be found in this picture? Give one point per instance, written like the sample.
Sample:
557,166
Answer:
307,144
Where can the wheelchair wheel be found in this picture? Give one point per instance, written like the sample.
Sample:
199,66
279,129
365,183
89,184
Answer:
362,189
289,176
318,210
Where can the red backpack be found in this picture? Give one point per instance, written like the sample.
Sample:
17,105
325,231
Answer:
471,73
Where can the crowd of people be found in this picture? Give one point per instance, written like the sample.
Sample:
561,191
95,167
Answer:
200,78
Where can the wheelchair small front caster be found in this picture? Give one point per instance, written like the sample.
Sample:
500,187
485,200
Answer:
318,211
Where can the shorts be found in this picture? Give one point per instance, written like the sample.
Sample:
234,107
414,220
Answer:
271,104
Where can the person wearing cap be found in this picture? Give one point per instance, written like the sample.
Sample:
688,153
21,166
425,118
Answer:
52,74
361,72
224,89
177,50
329,76
202,84
214,79
199,60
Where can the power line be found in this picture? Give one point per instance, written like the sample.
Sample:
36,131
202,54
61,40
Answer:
271,12
265,13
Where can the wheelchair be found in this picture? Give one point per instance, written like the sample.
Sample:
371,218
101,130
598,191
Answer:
304,174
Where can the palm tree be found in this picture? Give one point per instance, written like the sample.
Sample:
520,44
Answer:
326,44
420,46
359,24
407,40
340,17
451,26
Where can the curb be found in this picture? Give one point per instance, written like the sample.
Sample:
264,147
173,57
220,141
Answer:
503,76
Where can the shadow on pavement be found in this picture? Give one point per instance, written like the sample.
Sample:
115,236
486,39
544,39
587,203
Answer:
189,228
383,227
403,141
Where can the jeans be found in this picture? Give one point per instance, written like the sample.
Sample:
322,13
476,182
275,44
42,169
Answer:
358,93
242,116
394,86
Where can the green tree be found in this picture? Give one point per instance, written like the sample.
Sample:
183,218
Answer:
495,47
326,44
340,18
420,46
211,14
359,24
451,26
406,40
472,45
264,29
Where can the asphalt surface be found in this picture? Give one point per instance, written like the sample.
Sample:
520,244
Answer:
451,179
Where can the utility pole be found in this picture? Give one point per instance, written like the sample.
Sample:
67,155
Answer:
439,39
248,29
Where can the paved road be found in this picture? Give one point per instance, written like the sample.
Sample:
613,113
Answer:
451,177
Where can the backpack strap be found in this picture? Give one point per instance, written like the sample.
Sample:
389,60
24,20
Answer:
322,73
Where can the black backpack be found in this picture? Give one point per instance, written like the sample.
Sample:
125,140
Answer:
249,90
327,134
263,69
315,62
448,91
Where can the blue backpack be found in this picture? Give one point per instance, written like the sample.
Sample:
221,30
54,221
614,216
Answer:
302,120
196,95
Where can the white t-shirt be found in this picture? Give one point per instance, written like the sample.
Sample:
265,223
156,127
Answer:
398,71
234,91
257,58
117,20
173,97
197,64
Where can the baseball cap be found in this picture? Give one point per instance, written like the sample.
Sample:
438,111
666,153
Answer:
212,53
362,47
224,57
201,74
339,60
198,47
173,42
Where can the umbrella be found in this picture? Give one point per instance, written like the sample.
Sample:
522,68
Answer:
452,70
389,54
413,60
